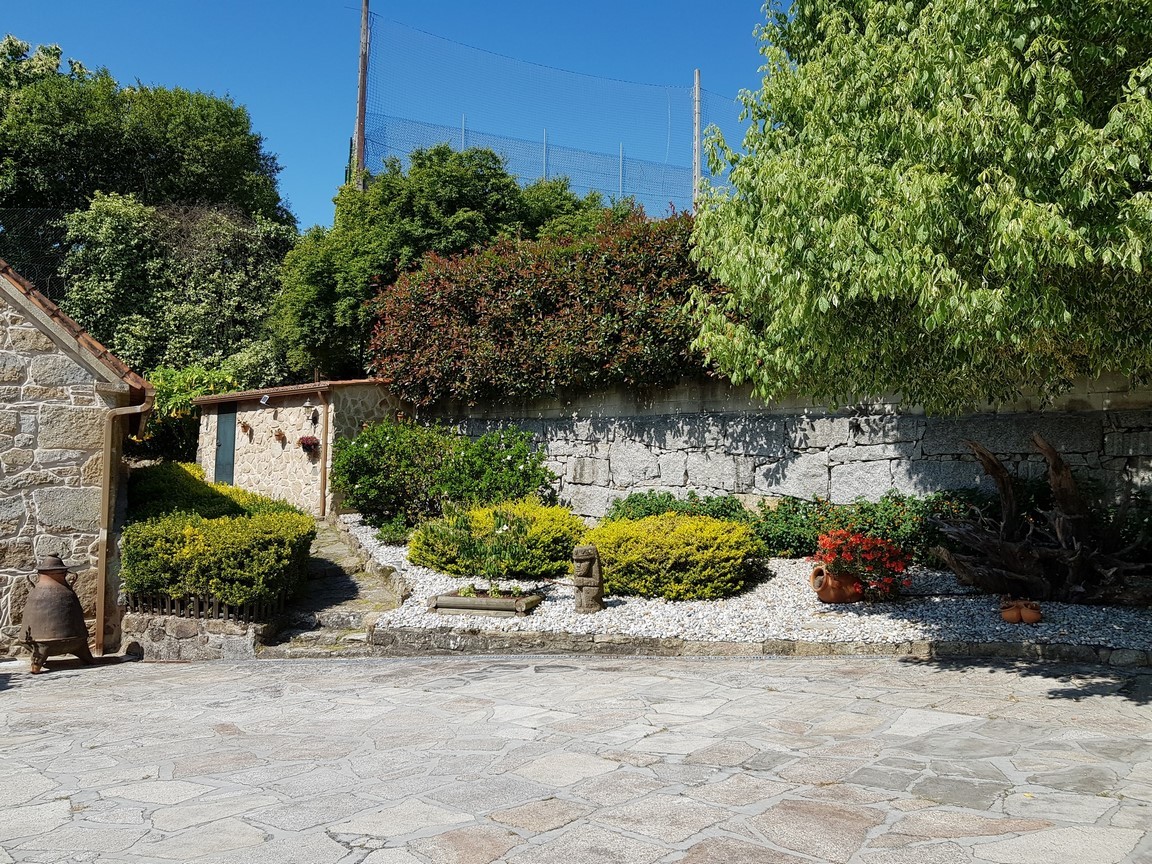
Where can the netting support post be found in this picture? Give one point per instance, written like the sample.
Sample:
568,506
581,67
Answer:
545,153
463,132
695,137
362,99
620,188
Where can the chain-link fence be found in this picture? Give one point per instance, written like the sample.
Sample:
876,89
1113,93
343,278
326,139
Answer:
616,137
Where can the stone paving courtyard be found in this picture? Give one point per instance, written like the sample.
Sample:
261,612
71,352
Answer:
576,761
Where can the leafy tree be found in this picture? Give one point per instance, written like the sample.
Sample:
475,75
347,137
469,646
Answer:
65,136
949,200
446,202
174,286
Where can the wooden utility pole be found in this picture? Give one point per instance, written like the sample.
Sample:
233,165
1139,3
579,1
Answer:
358,167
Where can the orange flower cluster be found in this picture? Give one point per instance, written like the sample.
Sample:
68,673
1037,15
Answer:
876,562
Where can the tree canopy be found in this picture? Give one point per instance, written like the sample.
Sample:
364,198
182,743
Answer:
946,199
176,286
446,202
66,135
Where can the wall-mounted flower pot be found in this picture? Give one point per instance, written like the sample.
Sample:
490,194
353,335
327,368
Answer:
280,436
454,604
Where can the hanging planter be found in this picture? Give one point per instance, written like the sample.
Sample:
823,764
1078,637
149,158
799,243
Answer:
310,444
280,436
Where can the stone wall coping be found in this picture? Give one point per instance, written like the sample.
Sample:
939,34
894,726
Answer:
440,641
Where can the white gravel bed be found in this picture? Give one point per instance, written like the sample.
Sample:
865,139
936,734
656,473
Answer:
936,607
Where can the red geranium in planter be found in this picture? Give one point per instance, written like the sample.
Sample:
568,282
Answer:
878,564
310,444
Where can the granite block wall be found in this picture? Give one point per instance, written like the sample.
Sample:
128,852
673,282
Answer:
715,439
52,415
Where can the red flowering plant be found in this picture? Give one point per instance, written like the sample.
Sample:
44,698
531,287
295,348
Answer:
877,563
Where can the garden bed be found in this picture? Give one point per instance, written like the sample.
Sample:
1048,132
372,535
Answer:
780,610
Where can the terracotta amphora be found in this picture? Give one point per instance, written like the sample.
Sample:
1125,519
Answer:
831,588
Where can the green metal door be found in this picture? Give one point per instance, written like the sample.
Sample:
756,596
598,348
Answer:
225,442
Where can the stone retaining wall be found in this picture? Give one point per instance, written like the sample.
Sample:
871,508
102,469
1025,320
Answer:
414,642
167,637
715,439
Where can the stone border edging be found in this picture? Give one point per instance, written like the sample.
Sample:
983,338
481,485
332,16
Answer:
421,641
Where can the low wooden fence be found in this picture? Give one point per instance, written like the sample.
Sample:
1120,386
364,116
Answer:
202,607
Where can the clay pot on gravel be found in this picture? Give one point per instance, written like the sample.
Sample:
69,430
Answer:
831,588
1020,611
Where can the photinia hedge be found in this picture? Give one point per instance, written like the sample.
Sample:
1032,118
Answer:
525,319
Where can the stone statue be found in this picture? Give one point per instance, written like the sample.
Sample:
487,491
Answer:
587,578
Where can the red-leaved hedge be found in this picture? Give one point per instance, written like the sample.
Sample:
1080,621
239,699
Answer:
525,319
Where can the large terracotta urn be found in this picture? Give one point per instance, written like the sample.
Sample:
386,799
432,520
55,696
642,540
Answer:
831,588
53,621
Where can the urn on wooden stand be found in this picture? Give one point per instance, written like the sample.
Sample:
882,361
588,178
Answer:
53,620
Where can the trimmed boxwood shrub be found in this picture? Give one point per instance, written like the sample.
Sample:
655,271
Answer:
171,487
641,504
399,473
236,560
515,540
675,556
187,537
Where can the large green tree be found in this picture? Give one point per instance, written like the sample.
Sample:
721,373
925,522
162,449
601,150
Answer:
947,199
66,135
447,201
176,287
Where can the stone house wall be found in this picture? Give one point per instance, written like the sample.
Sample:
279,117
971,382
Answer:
280,469
265,464
714,439
52,419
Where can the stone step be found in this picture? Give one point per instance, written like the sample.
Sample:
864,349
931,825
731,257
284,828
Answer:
315,652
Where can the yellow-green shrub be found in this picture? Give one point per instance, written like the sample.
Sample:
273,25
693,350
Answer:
674,556
522,539
171,487
235,560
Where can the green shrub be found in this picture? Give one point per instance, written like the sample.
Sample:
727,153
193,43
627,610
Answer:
498,466
790,529
675,556
389,471
524,539
398,474
179,487
236,560
641,504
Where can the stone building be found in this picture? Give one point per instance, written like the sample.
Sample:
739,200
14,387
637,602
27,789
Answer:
66,405
259,439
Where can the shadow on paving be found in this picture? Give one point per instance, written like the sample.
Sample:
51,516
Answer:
1074,682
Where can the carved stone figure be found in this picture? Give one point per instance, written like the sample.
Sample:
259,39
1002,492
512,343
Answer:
587,578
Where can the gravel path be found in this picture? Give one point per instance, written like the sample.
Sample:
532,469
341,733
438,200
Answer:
936,607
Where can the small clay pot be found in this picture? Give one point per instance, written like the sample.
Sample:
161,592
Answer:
1030,612
831,588
1010,611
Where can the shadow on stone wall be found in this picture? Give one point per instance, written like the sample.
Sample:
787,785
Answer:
838,456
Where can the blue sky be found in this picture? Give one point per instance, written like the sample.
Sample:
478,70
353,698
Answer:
293,62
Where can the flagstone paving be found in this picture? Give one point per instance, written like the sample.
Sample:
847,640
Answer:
576,761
